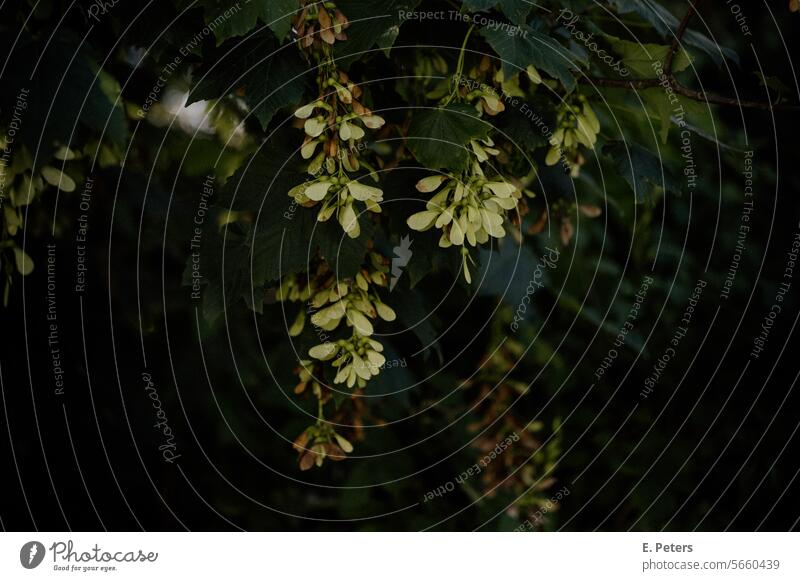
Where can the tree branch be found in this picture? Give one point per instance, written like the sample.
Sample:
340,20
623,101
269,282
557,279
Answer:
704,97
669,76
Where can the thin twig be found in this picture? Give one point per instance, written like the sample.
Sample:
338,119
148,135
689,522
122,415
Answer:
676,43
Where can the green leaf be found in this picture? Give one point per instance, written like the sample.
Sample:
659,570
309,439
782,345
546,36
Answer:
225,267
666,24
237,262
270,173
639,58
528,127
240,18
429,258
677,111
643,170
438,137
372,22
414,313
516,10
68,96
282,244
272,77
286,236
505,271
285,245
517,51
658,101
343,254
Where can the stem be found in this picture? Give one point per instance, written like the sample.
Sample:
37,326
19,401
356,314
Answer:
320,415
459,67
461,53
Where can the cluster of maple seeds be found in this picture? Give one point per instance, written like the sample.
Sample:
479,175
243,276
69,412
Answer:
320,22
468,209
519,469
318,442
335,124
358,358
336,120
577,125
355,302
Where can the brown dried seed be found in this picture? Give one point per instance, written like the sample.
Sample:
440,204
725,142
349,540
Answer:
589,210
324,19
327,35
335,452
307,461
300,442
567,231
538,226
341,19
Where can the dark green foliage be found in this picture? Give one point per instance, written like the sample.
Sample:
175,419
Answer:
439,138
